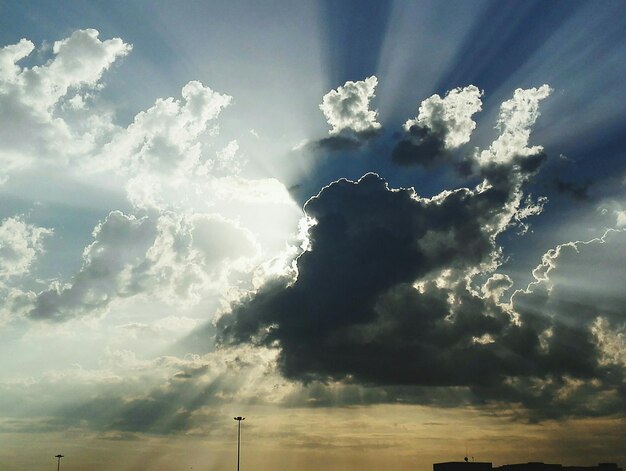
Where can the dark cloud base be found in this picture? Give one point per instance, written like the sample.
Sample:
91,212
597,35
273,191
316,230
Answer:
354,314
422,147
346,140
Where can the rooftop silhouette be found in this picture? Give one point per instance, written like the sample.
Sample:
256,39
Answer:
530,466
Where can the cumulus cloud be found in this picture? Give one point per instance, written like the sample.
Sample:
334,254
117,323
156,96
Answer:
387,295
78,60
169,162
555,349
347,107
163,139
394,297
450,116
31,128
186,193
515,122
347,111
442,124
570,321
368,246
169,256
20,244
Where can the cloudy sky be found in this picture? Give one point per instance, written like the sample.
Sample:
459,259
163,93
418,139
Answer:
386,233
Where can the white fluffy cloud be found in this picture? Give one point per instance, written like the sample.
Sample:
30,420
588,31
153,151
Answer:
347,107
78,60
30,128
516,119
20,243
164,138
191,208
449,117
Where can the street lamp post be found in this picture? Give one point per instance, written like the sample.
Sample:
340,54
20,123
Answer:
238,419
58,457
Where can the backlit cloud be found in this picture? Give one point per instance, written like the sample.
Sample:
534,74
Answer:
158,277
31,128
347,111
388,293
441,125
517,116
191,209
348,107
164,138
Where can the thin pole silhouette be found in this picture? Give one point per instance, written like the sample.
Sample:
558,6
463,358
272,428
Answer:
238,419
58,457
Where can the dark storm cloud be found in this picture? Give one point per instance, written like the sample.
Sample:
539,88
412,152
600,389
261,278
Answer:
355,315
570,334
387,298
353,311
366,340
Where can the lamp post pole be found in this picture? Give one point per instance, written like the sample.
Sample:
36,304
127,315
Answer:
58,457
238,419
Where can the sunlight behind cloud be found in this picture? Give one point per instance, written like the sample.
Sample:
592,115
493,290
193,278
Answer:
366,227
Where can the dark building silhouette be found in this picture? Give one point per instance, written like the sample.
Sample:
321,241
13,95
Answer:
530,466
462,466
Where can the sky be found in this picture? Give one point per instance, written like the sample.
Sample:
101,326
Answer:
387,234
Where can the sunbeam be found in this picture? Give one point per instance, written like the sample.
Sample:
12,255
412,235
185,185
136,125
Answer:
388,234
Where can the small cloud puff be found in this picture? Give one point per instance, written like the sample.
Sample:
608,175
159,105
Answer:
516,119
347,107
442,124
449,117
